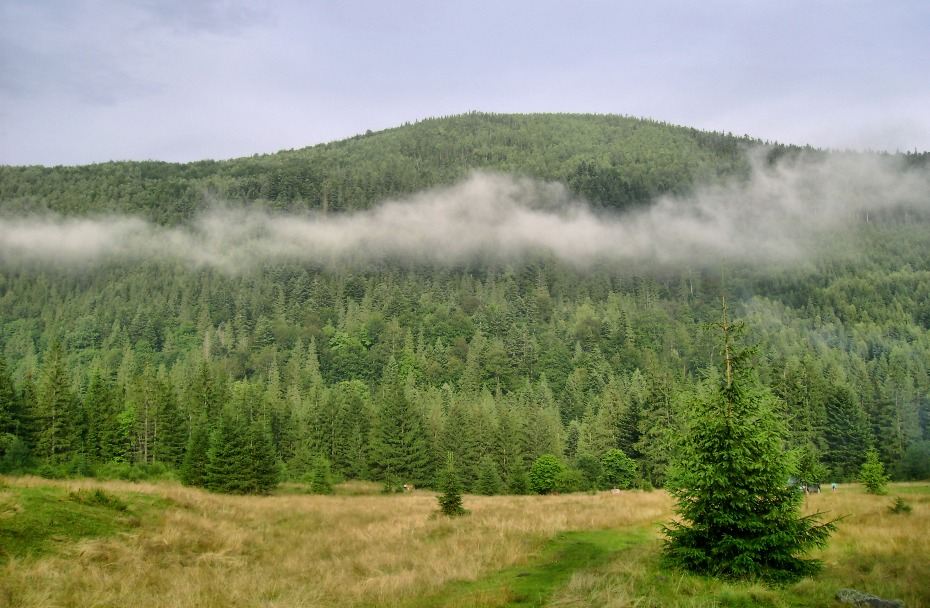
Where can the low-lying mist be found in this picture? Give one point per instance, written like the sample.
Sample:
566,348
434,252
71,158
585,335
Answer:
779,213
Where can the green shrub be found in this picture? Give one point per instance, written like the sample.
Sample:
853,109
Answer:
544,474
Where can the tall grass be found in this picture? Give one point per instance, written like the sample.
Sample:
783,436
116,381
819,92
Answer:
358,549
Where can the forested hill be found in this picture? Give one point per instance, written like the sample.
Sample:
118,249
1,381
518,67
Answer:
196,320
616,161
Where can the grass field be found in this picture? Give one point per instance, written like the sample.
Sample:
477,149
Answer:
89,543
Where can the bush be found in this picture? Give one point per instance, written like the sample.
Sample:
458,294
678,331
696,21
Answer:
617,470
544,474
570,480
899,506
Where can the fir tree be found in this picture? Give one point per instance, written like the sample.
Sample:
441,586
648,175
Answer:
262,470
450,503
518,481
194,467
489,479
321,481
400,447
737,517
872,475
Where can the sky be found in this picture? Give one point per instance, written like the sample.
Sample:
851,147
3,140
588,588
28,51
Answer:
87,81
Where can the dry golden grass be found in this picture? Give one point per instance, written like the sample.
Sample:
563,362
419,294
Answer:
360,548
302,550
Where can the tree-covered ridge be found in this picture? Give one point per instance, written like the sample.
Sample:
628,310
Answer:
616,161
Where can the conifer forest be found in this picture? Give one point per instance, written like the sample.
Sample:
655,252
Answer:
495,290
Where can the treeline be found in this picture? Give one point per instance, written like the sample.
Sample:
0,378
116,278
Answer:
380,372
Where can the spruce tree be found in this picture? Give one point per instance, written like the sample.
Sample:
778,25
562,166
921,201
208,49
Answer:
450,502
489,479
400,447
737,518
321,481
872,475
194,467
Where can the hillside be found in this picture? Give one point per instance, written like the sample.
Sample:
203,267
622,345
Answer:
614,160
159,317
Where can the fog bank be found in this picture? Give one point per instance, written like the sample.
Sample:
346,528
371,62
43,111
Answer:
778,214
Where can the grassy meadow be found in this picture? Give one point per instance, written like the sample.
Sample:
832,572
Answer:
91,543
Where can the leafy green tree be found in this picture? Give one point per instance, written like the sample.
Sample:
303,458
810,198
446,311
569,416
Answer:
617,470
544,474
872,474
450,502
737,517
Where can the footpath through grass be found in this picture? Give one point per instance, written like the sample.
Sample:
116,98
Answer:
534,583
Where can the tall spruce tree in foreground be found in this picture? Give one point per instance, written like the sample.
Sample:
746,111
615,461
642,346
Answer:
737,518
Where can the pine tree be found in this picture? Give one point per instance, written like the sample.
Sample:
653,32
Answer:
737,517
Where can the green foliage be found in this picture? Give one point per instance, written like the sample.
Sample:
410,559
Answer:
518,482
915,464
97,497
899,506
240,458
450,502
570,480
544,474
320,477
737,518
618,470
399,447
872,474
489,481
194,467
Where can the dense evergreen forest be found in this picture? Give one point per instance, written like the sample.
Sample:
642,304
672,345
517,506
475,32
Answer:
289,369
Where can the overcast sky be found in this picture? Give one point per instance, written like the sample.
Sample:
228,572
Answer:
85,81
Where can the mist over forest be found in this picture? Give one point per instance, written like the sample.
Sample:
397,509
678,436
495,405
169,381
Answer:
502,286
